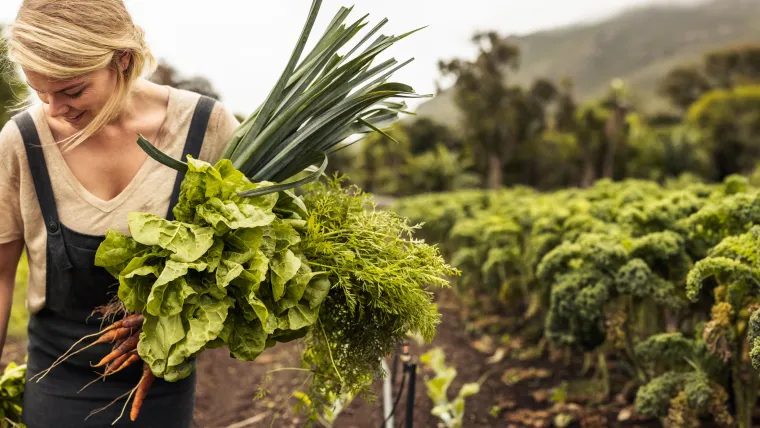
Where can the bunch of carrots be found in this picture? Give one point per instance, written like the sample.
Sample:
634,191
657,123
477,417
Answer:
125,335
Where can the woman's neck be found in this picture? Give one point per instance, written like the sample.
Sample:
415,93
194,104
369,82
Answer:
145,107
145,97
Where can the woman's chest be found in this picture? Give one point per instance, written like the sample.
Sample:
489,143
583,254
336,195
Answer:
105,169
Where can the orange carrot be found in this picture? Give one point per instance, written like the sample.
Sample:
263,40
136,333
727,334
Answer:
118,343
131,321
117,363
125,347
132,359
107,336
114,335
122,340
142,390
123,362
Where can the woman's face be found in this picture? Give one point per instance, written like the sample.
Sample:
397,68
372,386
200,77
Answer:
74,101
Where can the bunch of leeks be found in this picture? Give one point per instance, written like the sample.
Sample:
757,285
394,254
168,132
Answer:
323,102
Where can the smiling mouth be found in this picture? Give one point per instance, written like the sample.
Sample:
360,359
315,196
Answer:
74,119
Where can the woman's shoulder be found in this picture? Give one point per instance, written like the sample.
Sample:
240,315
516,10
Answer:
183,102
11,141
11,149
10,136
222,123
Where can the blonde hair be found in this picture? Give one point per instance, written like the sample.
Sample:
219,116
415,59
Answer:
64,39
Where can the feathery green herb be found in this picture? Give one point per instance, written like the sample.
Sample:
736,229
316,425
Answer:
376,267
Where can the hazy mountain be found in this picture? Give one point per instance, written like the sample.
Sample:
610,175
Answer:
639,45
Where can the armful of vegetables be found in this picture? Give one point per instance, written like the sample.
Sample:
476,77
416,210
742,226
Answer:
247,263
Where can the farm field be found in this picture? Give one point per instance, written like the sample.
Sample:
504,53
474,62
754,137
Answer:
499,404
624,304
587,231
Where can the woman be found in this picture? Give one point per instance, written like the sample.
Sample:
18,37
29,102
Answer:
72,170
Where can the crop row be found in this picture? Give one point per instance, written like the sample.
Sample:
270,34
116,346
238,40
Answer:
662,279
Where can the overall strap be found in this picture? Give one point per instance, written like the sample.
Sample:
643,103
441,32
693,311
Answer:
193,144
44,189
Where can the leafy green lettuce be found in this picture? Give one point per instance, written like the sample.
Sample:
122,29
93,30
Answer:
228,271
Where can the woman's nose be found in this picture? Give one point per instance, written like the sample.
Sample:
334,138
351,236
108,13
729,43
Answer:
57,108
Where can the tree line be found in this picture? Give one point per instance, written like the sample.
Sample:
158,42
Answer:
541,135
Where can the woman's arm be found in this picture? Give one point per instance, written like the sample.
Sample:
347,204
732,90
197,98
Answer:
10,254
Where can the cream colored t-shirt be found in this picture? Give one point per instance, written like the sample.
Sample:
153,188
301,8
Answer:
78,209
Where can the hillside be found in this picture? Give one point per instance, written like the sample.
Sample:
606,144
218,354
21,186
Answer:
639,45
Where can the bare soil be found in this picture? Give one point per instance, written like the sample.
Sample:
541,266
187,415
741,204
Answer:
515,393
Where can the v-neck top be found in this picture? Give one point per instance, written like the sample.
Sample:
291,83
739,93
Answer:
78,209
55,160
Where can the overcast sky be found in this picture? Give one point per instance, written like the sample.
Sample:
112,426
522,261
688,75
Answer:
242,45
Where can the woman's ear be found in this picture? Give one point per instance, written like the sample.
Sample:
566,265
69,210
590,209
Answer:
124,61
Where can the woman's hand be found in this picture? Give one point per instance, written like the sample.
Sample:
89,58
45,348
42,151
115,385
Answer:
10,254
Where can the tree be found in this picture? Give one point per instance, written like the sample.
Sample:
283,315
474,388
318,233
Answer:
683,85
589,131
437,170
12,89
619,106
526,123
728,121
166,74
720,69
733,66
424,134
564,117
483,96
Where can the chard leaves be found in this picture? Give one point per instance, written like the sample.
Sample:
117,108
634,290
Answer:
228,272
283,267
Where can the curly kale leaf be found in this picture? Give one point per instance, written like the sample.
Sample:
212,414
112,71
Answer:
663,213
576,310
723,269
664,251
590,251
635,278
653,399
734,260
723,217
753,338
669,349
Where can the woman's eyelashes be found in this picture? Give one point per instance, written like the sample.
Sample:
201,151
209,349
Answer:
77,94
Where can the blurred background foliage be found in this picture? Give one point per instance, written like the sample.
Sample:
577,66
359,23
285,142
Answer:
652,93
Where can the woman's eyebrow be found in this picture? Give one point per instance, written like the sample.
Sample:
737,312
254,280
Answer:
72,86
